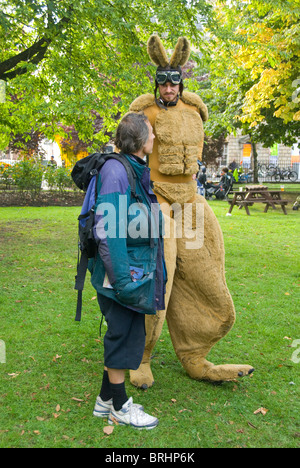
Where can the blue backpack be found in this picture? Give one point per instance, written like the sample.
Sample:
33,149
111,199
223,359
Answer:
85,175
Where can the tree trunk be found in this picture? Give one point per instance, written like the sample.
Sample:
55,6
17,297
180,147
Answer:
255,162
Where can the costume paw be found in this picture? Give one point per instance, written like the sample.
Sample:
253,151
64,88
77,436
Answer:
228,372
143,377
200,369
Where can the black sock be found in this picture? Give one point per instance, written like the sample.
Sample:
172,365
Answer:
105,392
119,395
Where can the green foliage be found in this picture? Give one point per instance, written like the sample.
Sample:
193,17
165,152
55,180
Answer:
58,178
65,62
61,60
5,176
28,176
254,70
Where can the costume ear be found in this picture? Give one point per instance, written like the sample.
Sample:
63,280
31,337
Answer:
157,51
181,53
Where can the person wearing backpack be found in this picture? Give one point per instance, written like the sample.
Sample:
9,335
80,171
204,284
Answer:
128,272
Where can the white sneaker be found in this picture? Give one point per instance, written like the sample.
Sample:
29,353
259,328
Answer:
103,408
132,415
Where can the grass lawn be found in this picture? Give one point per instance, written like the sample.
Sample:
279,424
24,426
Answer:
53,366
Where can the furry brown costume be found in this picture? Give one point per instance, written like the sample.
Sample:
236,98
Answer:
199,308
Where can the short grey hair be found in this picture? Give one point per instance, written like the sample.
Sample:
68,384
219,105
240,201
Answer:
132,133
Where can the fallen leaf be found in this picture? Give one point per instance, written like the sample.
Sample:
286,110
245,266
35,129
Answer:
108,430
56,357
173,400
57,409
262,411
76,399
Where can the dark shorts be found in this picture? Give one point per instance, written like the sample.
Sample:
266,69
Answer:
124,341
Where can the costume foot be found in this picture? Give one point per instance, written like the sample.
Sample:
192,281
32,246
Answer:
143,377
200,369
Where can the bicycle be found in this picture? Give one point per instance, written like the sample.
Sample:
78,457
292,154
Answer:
245,178
281,174
265,169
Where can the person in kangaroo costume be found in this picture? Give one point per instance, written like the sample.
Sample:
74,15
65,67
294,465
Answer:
199,307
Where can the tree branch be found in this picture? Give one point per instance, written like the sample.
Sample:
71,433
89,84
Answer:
33,54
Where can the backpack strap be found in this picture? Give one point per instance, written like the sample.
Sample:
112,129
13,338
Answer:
83,259
131,175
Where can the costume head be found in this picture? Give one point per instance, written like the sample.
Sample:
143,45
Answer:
168,70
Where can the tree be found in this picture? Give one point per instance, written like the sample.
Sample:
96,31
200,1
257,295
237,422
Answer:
253,66
64,62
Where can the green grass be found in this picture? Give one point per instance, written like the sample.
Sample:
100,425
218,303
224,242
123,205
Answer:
53,365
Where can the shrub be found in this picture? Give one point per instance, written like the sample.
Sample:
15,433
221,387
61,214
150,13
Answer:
63,179
58,178
50,177
28,176
5,176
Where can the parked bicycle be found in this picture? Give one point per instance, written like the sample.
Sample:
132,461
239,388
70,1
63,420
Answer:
265,169
246,178
282,174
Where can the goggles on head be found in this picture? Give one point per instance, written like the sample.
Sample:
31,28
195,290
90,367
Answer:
174,77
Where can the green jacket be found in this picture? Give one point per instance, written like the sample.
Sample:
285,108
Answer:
129,267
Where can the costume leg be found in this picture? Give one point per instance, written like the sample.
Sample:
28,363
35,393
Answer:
201,310
143,377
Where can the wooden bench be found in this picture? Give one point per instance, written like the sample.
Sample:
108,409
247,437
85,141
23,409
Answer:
282,203
254,195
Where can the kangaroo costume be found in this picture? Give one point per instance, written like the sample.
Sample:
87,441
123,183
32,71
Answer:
199,307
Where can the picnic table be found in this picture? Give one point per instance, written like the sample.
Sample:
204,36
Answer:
257,194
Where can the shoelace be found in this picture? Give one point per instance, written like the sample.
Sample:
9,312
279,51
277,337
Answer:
137,413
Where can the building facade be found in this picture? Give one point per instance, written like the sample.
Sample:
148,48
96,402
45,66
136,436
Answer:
238,149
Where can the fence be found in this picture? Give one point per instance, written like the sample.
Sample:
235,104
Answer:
272,173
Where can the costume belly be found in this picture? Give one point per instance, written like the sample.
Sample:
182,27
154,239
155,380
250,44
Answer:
180,135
